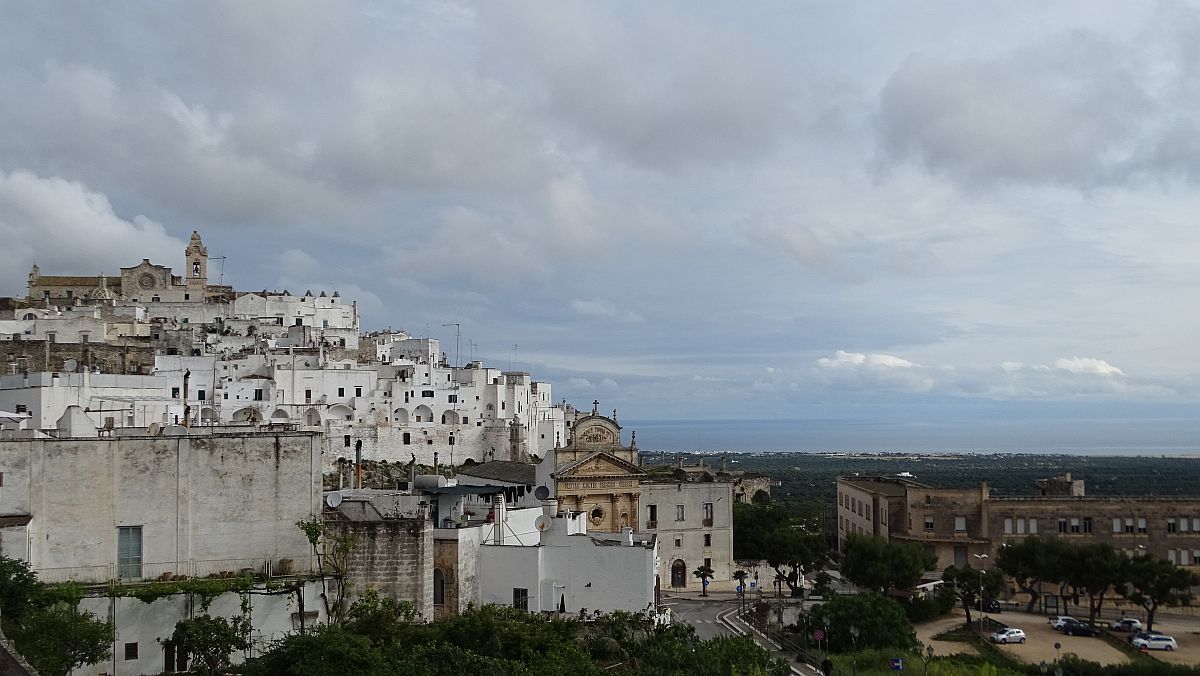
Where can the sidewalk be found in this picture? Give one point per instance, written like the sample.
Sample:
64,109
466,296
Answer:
735,624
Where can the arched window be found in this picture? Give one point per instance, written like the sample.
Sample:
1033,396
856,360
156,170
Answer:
439,588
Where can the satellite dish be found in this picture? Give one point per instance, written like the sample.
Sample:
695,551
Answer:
543,523
541,493
70,365
334,498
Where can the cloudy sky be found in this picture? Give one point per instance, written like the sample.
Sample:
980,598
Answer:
913,210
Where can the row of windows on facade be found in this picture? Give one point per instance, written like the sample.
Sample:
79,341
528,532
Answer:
680,514
858,506
1123,525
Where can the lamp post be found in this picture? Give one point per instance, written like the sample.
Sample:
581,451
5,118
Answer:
854,655
981,557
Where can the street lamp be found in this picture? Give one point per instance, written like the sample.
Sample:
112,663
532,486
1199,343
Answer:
981,557
854,655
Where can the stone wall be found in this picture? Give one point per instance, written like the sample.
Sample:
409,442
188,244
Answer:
394,557
129,356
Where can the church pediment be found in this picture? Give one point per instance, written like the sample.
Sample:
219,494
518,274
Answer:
598,464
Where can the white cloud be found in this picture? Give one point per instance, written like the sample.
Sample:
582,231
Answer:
69,229
842,359
1087,365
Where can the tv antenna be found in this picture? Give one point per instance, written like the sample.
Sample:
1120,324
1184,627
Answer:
220,270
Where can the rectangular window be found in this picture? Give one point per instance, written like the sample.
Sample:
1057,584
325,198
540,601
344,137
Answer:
707,563
83,338
708,539
1128,525
453,399
929,524
1087,524
652,516
129,552
200,395
51,336
308,396
346,441
1008,526
131,651
1183,525
1195,524
407,438
341,391
960,524
520,598
1171,556
679,512
358,391
1062,525
1141,525
258,395
1076,527
174,392
1116,525
1171,527
427,393
678,541
708,514
22,408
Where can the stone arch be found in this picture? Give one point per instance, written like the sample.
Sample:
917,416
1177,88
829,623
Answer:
400,415
280,415
679,574
207,415
312,417
439,587
340,412
248,414
452,417
423,413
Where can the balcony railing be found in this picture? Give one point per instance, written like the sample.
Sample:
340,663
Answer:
178,570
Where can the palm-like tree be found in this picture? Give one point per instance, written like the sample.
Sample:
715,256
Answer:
705,573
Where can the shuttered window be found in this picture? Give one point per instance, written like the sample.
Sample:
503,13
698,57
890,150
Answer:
129,552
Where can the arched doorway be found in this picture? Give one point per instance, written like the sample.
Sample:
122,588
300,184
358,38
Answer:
679,574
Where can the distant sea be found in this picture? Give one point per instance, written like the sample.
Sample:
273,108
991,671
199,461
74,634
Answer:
1074,437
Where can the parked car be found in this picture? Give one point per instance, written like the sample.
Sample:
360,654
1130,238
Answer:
1009,635
988,606
1125,624
1057,621
1076,628
1156,642
1144,634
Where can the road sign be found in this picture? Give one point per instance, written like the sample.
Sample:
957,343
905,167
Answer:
897,664
753,585
740,589
818,635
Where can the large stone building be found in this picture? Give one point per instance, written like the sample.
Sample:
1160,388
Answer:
963,525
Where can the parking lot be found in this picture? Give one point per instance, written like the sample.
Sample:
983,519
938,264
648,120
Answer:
1039,644
1185,635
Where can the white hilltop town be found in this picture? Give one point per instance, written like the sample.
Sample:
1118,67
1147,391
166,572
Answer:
157,429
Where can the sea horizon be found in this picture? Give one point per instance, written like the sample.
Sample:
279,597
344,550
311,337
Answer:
1076,436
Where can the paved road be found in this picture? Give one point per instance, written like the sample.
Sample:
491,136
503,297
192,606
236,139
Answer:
702,614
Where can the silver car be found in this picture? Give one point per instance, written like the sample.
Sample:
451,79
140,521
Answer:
1010,635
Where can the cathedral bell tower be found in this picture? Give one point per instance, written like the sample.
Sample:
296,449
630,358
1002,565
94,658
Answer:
196,273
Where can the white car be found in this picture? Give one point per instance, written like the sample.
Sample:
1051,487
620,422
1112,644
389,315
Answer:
1009,635
1057,621
1155,642
1125,624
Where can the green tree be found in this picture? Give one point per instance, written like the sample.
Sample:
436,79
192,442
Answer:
705,574
20,590
1152,582
1029,562
1097,568
326,650
880,621
378,617
58,639
880,564
966,582
211,640
799,552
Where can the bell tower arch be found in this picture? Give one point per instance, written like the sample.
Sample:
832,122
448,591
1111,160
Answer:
196,270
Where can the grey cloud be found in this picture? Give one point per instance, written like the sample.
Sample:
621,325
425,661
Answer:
1070,113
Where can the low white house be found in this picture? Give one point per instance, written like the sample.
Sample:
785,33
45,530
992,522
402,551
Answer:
570,570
